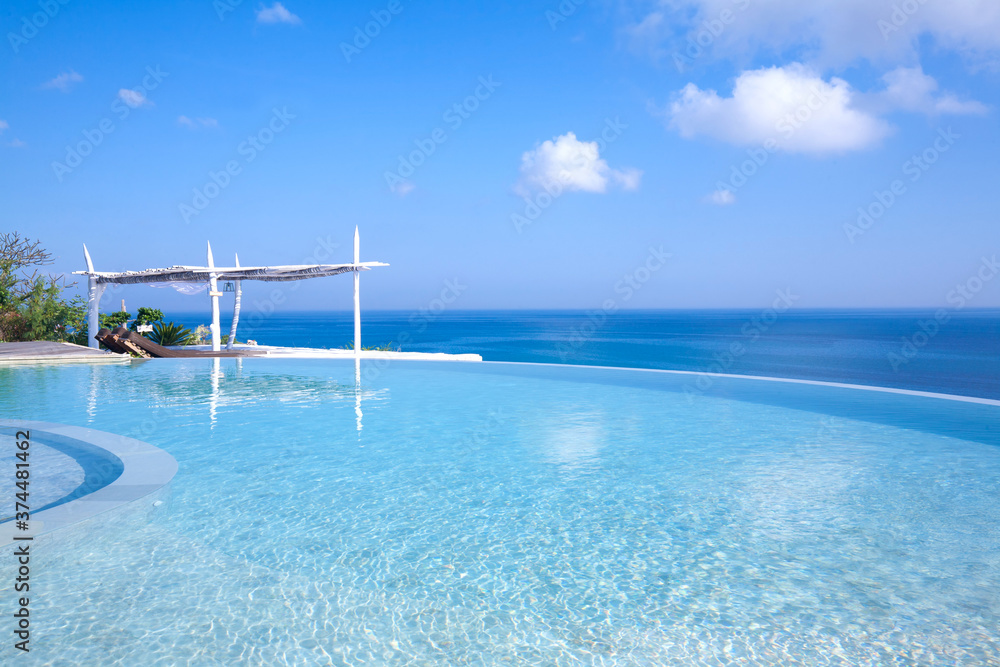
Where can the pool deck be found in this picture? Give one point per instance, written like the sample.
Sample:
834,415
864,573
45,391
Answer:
49,352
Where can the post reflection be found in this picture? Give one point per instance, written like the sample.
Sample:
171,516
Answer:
213,401
357,392
92,394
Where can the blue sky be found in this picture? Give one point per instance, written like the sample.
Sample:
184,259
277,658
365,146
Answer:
740,137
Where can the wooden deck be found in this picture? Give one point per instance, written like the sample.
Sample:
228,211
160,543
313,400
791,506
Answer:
43,351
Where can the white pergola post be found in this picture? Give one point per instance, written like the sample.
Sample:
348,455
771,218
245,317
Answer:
213,291
95,291
357,294
236,311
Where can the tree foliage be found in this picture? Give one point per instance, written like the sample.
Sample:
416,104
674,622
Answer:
202,335
17,255
121,318
148,316
114,320
32,306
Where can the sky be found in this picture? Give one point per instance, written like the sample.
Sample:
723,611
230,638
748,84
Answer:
672,154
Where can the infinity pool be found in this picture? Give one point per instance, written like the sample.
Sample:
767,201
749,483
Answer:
461,513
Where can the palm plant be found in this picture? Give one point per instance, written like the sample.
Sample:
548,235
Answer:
168,333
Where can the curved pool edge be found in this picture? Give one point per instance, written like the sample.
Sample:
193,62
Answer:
147,469
818,383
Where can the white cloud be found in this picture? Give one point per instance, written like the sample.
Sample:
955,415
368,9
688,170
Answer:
721,197
14,143
791,108
195,123
133,98
909,89
647,34
573,165
277,13
797,111
64,82
824,32
629,178
403,188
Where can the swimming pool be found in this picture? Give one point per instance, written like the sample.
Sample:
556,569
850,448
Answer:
451,513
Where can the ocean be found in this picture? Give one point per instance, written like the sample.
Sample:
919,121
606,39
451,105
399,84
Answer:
948,351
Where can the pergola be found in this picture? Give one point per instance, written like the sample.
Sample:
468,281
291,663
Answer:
211,274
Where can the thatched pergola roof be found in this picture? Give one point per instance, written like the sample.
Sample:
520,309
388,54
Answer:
201,274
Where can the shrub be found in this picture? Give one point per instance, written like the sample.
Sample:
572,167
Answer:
11,327
388,347
168,333
201,335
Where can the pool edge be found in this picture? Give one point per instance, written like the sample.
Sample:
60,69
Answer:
824,383
147,469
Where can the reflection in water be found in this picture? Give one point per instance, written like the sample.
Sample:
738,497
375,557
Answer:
218,388
92,394
787,497
357,391
213,401
576,442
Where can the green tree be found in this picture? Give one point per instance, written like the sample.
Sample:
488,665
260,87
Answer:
47,316
121,318
17,254
31,305
114,320
148,316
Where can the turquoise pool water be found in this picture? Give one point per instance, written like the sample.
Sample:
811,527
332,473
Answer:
68,470
460,513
